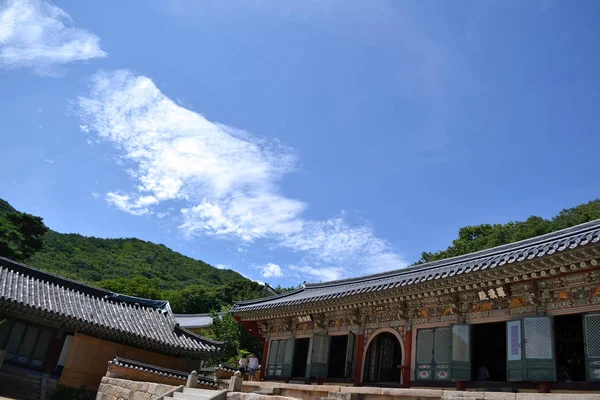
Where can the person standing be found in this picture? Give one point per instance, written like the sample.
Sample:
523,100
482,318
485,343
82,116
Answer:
253,366
242,364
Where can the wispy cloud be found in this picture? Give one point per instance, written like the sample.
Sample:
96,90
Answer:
227,176
50,161
222,266
271,270
321,274
227,179
335,242
38,35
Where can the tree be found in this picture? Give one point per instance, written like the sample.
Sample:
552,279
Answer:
21,235
197,299
139,287
480,237
241,290
226,329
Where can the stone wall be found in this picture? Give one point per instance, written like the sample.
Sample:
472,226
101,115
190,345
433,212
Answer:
316,392
122,389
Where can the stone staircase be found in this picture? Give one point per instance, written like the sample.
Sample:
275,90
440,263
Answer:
199,394
341,396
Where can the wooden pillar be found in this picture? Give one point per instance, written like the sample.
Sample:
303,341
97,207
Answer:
543,387
359,359
265,358
407,358
53,354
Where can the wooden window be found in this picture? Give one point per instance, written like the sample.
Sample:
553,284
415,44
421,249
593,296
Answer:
25,344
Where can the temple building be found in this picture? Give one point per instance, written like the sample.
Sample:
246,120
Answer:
521,315
55,331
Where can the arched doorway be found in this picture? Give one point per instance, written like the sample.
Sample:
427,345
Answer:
383,356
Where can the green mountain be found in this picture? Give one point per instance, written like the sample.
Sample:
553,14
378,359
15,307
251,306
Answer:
5,207
129,266
92,259
138,268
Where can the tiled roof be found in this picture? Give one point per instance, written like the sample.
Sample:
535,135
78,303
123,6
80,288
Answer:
193,321
153,369
496,257
96,310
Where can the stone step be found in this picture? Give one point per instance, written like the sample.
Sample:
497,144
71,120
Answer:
343,396
200,394
189,396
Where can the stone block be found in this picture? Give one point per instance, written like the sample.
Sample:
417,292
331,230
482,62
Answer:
557,396
499,396
413,393
124,393
141,396
235,384
144,386
453,394
160,389
101,396
256,383
360,389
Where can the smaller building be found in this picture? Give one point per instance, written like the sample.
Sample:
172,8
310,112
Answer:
60,330
196,323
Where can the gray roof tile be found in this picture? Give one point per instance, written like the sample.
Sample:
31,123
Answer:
36,290
496,257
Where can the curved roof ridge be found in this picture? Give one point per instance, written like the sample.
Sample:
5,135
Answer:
539,246
277,296
462,258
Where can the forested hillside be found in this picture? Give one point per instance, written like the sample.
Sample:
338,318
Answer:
129,266
144,269
94,260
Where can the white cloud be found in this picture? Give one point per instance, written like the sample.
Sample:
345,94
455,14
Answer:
137,206
319,274
335,242
227,176
84,128
271,270
222,266
96,195
226,179
162,214
50,161
38,35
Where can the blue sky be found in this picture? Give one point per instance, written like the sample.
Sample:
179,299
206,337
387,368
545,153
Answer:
296,141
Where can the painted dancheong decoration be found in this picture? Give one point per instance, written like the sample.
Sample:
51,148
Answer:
526,311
